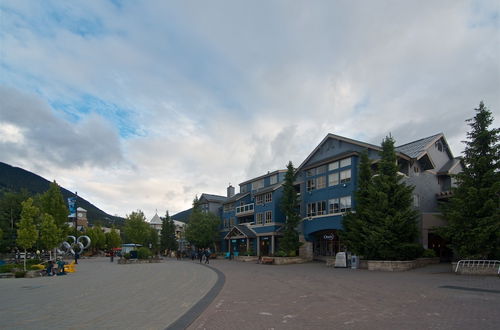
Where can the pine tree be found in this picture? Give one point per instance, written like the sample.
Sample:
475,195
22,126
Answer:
168,240
473,211
202,228
384,225
357,224
290,243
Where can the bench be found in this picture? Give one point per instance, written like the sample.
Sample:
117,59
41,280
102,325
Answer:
267,260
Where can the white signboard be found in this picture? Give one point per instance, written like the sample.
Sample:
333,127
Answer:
341,260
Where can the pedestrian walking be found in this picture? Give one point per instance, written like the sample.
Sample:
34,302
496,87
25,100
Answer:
200,255
207,256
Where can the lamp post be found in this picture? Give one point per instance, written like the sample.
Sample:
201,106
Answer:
76,224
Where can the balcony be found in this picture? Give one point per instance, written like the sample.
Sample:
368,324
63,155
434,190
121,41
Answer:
243,210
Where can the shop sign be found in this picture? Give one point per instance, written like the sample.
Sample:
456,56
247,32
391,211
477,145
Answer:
233,240
328,237
265,238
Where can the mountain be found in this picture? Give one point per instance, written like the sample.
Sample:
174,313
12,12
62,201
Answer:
15,179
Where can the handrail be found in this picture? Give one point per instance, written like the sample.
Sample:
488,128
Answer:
478,264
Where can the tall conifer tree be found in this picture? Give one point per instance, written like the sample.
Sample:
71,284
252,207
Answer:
473,211
290,207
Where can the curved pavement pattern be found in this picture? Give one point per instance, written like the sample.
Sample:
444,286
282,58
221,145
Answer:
105,295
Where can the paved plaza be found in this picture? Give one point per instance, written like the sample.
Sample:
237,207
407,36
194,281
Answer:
104,295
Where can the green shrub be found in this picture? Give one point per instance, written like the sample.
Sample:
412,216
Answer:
429,253
281,253
19,274
410,251
126,255
143,253
8,268
30,262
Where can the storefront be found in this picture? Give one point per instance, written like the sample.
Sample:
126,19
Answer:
327,243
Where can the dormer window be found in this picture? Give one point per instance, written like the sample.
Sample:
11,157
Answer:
439,146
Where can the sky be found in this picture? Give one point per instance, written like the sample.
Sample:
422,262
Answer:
142,105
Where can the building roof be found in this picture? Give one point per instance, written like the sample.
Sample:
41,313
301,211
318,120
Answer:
81,209
155,220
236,197
262,176
244,230
450,165
417,149
213,198
268,188
182,216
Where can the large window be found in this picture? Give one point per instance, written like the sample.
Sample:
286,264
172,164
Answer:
345,176
311,184
273,179
345,162
269,216
320,182
345,204
226,223
316,208
243,189
228,207
334,205
269,197
333,166
311,172
333,179
258,184
321,169
259,200
259,218
231,221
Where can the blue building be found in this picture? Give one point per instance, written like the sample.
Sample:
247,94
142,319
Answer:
327,181
252,219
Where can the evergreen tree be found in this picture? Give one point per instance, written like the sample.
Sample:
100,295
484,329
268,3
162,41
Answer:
27,234
202,228
168,240
357,225
290,206
10,214
473,211
384,226
52,202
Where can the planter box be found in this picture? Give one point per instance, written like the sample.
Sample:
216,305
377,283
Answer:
288,260
124,261
246,258
398,266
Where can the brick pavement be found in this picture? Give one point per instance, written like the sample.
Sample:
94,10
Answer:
104,295
313,296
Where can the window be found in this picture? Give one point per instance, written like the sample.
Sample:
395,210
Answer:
311,172
311,209
269,216
345,176
416,200
243,189
333,166
311,184
321,169
333,205
231,221
258,184
269,197
439,146
345,204
321,208
259,218
333,179
273,179
259,200
345,162
320,182
226,224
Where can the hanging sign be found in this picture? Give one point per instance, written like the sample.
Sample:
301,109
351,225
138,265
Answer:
328,237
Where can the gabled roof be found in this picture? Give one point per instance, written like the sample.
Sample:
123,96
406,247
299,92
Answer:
268,189
451,164
155,220
236,197
262,176
213,198
417,149
240,230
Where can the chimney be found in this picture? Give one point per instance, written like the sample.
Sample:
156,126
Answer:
230,191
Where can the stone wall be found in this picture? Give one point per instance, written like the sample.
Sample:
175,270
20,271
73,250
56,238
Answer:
246,258
288,260
398,266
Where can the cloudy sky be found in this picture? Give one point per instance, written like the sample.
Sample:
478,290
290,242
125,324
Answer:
144,104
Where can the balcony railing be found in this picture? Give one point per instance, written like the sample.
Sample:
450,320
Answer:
244,209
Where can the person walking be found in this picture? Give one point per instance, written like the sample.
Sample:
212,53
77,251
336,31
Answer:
207,256
201,254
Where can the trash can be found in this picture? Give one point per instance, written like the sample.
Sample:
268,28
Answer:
133,254
354,262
